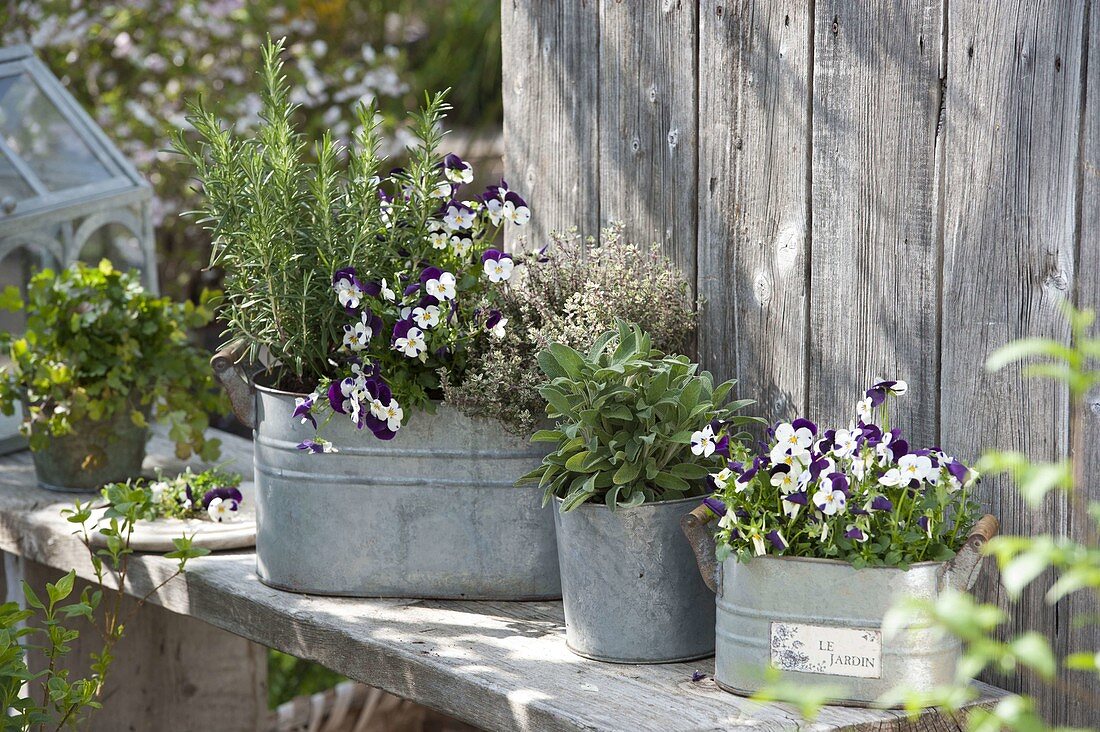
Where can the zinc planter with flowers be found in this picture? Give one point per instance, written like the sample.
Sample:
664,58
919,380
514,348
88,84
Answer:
626,467
99,358
820,535
358,288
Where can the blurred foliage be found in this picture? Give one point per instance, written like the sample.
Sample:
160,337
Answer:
133,63
288,677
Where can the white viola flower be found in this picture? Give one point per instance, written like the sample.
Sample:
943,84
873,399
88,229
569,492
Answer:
435,225
439,239
915,467
864,410
728,520
405,312
441,288
791,509
458,216
722,477
392,414
444,189
786,481
412,344
387,293
830,502
758,544
702,442
158,489
846,442
899,388
793,440
427,317
892,477
495,209
456,169
222,509
498,270
461,245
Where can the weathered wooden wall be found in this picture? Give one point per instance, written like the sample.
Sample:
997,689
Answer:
860,190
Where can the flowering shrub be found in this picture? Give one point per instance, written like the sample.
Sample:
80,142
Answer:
624,413
98,345
576,290
212,494
360,287
858,494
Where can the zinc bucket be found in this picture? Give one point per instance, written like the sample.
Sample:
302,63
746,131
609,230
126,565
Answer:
432,513
820,621
630,588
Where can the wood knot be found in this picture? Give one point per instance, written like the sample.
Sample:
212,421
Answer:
836,25
673,138
635,144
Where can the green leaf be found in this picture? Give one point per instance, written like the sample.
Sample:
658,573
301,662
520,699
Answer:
1033,650
627,473
1024,348
1019,573
547,436
31,598
10,299
689,471
671,482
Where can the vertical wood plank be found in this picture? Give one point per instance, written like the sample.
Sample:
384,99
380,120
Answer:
550,93
1013,106
647,123
874,285
1086,604
753,186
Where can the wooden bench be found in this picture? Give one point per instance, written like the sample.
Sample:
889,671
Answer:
497,665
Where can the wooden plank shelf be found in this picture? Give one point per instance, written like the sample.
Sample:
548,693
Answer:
498,665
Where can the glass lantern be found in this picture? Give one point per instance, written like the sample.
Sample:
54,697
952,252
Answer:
66,192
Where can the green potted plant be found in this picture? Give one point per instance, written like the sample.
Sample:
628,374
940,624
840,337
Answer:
628,463
820,532
101,358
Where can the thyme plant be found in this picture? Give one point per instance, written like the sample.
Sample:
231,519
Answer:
575,290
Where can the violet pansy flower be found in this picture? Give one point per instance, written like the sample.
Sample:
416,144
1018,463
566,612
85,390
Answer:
349,290
456,169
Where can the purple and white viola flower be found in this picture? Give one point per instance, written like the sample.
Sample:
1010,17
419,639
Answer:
222,509
785,479
438,284
495,324
515,209
316,446
775,536
358,335
426,317
386,293
409,340
757,539
792,439
349,290
829,501
343,395
865,410
458,216
457,170
497,264
846,442
878,393
856,533
444,190
702,442
303,408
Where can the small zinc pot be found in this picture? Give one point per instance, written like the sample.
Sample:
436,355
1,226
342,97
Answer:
93,454
630,587
819,621
432,513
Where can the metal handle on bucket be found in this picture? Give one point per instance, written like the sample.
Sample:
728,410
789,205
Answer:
694,526
962,570
234,378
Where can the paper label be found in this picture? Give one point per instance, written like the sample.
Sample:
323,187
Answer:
821,649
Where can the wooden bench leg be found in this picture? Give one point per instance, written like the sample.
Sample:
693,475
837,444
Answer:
170,673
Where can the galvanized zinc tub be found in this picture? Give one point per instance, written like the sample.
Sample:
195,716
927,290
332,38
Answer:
819,621
433,513
630,587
